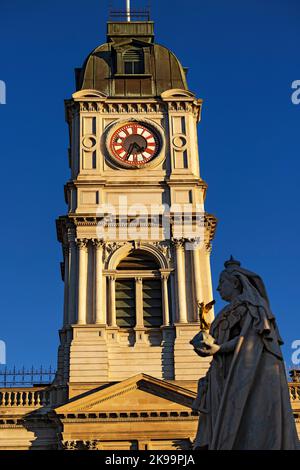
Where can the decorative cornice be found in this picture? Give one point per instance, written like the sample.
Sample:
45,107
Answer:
99,106
172,415
102,106
69,223
187,107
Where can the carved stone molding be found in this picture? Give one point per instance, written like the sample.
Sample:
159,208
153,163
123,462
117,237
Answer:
98,243
82,243
80,445
90,445
164,247
179,243
110,248
196,242
122,108
186,106
69,445
165,276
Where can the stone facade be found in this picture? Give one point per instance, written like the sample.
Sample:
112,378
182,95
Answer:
128,387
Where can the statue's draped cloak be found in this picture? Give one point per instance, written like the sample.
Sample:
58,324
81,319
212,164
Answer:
244,399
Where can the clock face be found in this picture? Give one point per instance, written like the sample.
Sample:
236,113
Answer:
134,144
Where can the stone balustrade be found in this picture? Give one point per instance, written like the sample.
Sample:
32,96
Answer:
34,397
37,397
294,389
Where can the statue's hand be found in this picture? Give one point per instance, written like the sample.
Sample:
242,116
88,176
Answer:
205,349
212,348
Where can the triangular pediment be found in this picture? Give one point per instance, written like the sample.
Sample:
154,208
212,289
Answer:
139,393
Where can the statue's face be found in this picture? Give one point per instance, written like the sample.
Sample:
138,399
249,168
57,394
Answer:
227,287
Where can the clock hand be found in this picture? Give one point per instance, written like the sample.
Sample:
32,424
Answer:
134,148
129,151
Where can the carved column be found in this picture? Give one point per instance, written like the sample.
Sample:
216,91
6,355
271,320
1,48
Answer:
66,285
72,276
180,277
112,301
82,281
139,302
208,249
165,298
99,307
197,276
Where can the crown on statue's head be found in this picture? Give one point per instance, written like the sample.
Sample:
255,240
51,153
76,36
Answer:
231,263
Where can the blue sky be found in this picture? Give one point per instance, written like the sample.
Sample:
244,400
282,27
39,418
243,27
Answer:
242,58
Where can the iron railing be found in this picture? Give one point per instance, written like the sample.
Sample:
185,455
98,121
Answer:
140,15
26,377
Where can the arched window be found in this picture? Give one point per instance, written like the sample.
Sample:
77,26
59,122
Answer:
133,62
143,303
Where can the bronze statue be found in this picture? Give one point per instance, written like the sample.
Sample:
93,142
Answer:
243,400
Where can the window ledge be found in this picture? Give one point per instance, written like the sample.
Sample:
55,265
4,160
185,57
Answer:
133,75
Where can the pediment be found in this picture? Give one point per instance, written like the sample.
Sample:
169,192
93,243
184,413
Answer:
177,93
89,93
139,393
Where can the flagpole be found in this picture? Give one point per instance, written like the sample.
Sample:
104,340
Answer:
128,10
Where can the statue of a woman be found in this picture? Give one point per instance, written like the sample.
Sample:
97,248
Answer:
243,400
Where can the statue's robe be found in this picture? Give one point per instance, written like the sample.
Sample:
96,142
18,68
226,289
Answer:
244,398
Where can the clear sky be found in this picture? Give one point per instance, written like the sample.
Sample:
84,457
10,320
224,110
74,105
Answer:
242,57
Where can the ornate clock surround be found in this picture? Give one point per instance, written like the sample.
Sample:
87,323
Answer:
157,143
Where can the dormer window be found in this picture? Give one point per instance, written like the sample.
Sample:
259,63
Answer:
133,62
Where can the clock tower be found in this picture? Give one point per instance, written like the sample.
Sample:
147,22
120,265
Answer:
136,240
136,245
